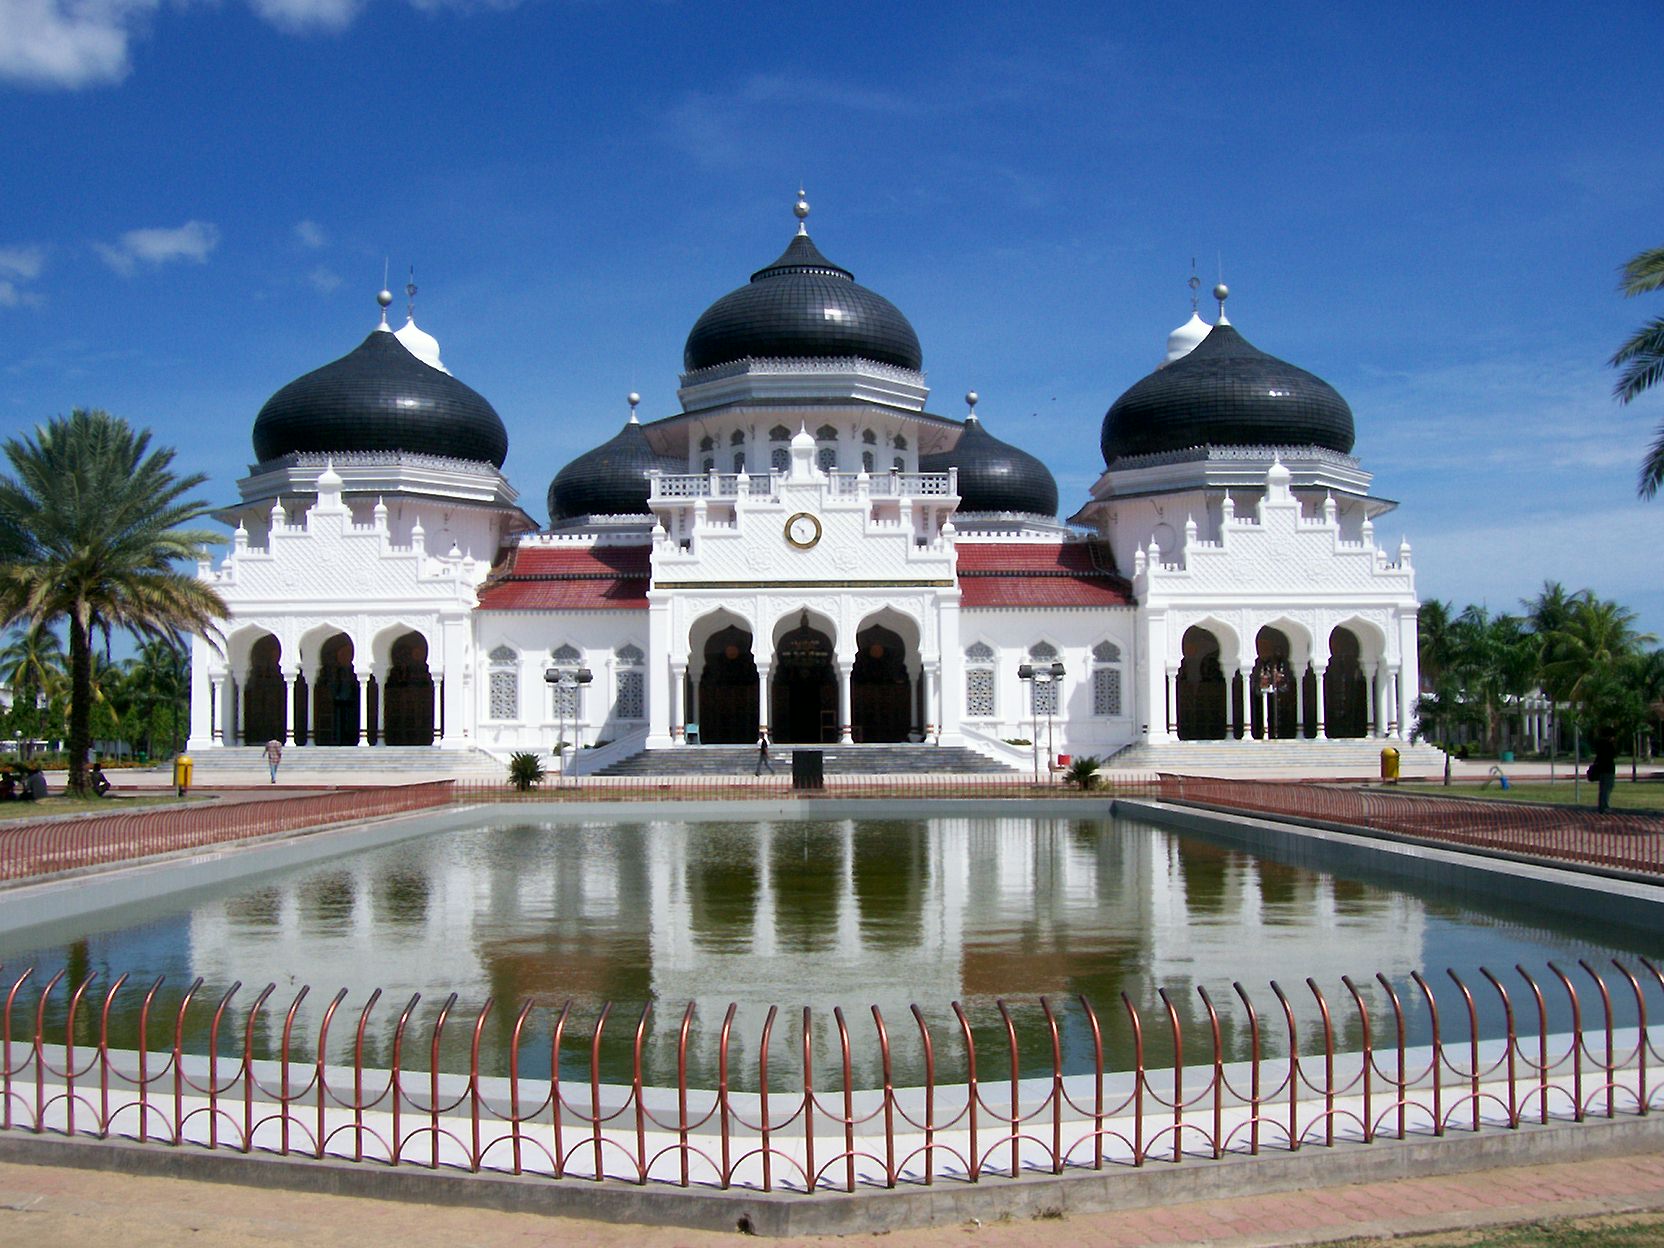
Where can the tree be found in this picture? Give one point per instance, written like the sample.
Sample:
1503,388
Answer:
1493,661
1641,358
32,663
158,687
1594,644
98,521
1435,641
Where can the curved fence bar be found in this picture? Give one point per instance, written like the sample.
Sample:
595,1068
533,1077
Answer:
1622,841
63,1073
67,844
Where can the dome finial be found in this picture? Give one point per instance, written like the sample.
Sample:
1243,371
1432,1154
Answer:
1222,292
633,399
1195,284
384,297
801,210
970,402
410,296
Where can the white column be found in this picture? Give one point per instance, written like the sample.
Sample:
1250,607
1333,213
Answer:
216,708
1395,705
659,673
1377,701
1320,672
678,674
289,707
1246,676
932,677
846,671
364,707
765,674
1172,713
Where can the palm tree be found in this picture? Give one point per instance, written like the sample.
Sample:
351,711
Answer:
1641,358
1596,641
99,518
32,663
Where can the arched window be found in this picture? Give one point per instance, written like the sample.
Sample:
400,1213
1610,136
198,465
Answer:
707,443
869,438
866,461
709,463
780,459
737,438
1044,700
779,434
826,433
898,464
1106,679
631,699
503,684
979,681
900,443
565,705
827,459
739,461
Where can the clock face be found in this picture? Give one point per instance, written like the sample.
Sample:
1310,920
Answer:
803,530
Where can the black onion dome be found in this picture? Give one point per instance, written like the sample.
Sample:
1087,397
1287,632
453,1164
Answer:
1226,392
802,305
994,475
380,397
610,480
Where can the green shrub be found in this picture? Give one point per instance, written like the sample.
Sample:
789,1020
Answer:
524,769
1083,772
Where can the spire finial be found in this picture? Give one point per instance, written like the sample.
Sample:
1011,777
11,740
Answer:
384,297
410,295
970,402
801,210
633,399
1195,284
1222,292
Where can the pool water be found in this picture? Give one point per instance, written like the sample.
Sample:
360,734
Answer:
789,913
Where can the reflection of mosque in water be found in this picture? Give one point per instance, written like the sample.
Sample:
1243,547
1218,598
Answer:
795,913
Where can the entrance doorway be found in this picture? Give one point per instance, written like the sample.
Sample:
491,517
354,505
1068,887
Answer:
335,695
728,689
1202,688
1345,687
805,694
1276,698
880,692
407,696
264,717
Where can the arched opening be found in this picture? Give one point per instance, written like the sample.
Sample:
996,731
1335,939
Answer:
407,695
1345,687
1202,688
728,689
1276,701
264,717
880,690
334,696
804,698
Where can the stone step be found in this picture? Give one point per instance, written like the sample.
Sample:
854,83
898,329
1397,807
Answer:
1360,756
417,760
837,760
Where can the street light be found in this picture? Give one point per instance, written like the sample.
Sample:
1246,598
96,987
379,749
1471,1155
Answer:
1035,677
572,678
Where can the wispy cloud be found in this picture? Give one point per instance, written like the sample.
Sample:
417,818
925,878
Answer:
310,234
69,43
308,16
155,247
324,279
18,267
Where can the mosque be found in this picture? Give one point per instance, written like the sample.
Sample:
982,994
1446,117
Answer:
805,547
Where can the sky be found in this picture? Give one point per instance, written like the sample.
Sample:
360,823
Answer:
1426,206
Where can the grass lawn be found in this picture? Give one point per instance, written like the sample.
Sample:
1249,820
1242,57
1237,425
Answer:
1639,1230
1646,795
57,804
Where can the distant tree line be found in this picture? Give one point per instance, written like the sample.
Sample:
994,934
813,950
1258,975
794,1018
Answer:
1580,652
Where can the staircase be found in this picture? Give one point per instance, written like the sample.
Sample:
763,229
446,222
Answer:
1356,758
840,760
327,764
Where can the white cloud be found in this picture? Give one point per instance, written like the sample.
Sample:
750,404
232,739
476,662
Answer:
324,279
304,16
191,241
18,266
69,43
310,234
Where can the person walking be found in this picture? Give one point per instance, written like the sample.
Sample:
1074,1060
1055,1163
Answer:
762,753
274,756
1603,770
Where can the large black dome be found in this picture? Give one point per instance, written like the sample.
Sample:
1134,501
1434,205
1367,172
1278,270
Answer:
1226,392
994,475
380,397
610,480
802,305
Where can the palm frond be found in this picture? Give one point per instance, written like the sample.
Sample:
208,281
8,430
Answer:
1642,272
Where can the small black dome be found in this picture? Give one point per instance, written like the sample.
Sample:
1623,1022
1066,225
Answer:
1226,392
802,305
380,397
994,475
611,480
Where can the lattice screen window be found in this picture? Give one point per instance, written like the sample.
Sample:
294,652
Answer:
979,681
867,462
1106,652
780,459
503,684
827,459
565,701
779,434
1045,697
566,655
632,696
1106,691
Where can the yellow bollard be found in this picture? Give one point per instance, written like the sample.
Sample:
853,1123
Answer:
182,773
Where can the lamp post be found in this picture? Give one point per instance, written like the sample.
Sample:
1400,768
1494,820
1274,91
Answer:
567,678
1035,677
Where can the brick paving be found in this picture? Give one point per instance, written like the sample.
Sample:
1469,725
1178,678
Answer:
49,1207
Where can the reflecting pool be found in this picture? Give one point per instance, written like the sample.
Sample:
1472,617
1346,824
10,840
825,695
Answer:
794,913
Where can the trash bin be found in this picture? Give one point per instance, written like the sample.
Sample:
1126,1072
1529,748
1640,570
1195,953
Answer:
182,773
808,769
1389,765
1063,761
1507,756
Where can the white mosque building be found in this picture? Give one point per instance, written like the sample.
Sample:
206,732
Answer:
805,548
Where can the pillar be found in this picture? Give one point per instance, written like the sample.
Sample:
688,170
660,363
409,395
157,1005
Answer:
765,690
932,677
364,707
1172,702
1377,701
216,709
678,681
1245,725
1395,704
288,708
846,671
1321,673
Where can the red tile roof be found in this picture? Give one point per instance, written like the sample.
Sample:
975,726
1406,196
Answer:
1039,574
569,578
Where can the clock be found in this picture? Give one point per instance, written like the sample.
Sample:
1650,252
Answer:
803,530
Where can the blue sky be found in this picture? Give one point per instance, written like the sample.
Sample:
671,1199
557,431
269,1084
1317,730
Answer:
1426,206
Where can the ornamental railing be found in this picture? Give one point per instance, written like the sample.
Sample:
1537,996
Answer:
995,1099
46,846
673,486
1618,841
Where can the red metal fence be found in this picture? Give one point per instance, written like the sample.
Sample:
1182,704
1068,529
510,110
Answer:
1630,842
1561,1056
776,787
50,845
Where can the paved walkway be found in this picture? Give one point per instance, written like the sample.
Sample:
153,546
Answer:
46,1207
